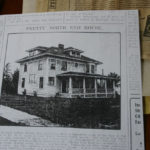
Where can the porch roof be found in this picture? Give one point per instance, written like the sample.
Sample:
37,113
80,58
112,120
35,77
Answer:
86,75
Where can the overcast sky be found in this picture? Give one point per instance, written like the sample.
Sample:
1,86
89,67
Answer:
104,47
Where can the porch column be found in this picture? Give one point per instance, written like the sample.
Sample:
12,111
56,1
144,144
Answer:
95,87
47,72
61,86
84,88
105,88
114,92
70,86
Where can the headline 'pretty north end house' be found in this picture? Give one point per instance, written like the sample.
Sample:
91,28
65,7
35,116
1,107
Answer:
62,72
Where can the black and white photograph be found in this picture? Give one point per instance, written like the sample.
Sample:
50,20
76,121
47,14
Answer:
62,80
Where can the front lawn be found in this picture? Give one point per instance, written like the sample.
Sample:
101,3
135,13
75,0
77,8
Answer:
79,113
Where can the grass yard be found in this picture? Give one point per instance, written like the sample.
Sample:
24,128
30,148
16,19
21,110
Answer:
99,113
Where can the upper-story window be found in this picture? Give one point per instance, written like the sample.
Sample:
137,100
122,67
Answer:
40,65
76,65
78,54
52,63
25,67
92,69
58,62
73,53
64,66
87,68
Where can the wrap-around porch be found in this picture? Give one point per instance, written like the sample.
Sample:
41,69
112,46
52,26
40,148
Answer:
75,85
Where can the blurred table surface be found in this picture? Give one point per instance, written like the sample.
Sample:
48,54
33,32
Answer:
15,7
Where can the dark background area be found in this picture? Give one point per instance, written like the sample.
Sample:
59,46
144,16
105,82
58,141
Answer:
11,6
15,7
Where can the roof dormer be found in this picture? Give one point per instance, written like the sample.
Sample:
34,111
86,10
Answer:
36,50
73,52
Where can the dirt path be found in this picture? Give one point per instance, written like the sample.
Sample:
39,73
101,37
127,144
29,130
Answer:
24,118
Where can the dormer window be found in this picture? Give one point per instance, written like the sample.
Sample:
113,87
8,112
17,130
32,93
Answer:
25,67
32,53
73,52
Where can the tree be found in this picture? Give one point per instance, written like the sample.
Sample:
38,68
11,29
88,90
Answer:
10,81
115,76
7,78
15,79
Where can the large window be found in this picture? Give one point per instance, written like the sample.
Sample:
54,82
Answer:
25,67
52,63
40,65
64,66
41,82
23,83
32,78
51,81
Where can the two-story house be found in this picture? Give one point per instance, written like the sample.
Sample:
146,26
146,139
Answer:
63,72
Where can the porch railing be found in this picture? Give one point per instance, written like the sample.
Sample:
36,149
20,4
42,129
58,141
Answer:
90,90
77,90
89,93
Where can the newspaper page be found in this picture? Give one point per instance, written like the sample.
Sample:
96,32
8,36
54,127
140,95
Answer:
71,81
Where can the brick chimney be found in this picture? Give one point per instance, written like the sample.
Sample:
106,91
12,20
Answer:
61,46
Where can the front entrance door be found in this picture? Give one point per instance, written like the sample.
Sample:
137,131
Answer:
64,86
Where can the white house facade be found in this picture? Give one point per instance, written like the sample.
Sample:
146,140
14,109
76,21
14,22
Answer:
62,72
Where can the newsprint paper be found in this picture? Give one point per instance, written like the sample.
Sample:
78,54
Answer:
71,81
